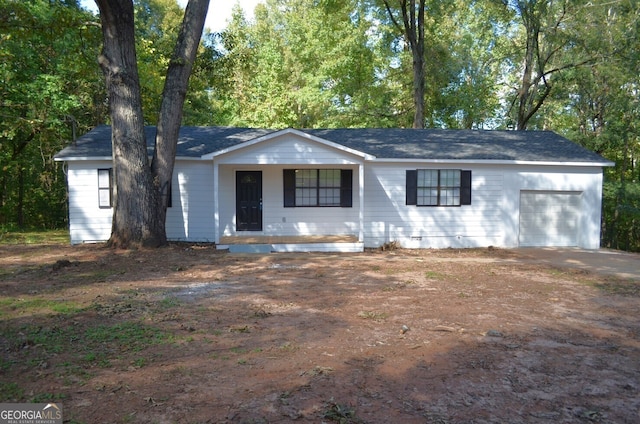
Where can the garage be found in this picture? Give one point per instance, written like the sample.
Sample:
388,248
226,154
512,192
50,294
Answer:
549,218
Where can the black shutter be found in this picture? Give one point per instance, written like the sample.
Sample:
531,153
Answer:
289,179
412,187
346,188
169,195
465,187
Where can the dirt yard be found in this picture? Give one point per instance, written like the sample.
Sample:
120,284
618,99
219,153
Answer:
188,334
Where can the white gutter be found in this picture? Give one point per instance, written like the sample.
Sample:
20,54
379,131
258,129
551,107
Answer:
495,162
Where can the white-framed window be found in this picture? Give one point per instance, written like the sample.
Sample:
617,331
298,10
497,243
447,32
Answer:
105,191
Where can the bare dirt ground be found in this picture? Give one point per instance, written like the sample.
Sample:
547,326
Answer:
188,334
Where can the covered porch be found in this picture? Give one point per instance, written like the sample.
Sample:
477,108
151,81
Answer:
289,192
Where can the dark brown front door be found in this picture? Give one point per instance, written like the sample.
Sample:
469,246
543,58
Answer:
248,200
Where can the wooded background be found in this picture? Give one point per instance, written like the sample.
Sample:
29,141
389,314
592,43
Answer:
568,66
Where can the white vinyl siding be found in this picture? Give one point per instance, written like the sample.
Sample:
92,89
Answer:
388,217
492,219
88,221
549,218
292,150
190,216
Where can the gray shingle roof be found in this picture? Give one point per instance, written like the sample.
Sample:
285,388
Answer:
435,144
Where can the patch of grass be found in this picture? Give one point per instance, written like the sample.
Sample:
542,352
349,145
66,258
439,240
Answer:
397,286
47,397
100,359
434,275
99,276
376,316
340,413
556,272
10,391
95,346
139,362
5,365
619,287
11,236
74,374
11,305
128,336
288,347
318,370
50,339
169,302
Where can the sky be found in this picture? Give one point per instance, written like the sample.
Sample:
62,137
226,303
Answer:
219,11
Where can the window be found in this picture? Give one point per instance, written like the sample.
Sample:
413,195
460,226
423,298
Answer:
438,187
318,187
104,188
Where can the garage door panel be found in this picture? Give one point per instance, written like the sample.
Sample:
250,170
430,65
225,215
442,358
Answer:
549,218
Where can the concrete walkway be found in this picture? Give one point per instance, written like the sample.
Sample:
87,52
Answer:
604,261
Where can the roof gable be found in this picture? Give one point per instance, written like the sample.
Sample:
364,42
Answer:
292,137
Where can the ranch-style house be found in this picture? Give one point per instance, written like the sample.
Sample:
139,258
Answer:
350,189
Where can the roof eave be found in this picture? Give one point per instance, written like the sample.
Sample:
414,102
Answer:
81,158
498,162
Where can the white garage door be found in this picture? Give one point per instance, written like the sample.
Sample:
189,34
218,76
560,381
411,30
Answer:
549,218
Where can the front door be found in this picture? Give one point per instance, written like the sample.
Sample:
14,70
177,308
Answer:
248,200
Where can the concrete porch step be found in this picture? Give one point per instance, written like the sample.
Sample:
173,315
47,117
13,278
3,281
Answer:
250,248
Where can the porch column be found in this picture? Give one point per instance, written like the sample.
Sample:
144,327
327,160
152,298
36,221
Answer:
361,196
216,203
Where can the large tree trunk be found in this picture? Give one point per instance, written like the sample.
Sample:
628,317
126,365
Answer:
524,96
140,200
416,28
175,90
134,196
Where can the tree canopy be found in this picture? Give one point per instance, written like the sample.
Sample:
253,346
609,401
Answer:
571,66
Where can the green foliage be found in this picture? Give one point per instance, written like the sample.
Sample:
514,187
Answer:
157,24
304,66
621,212
48,83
